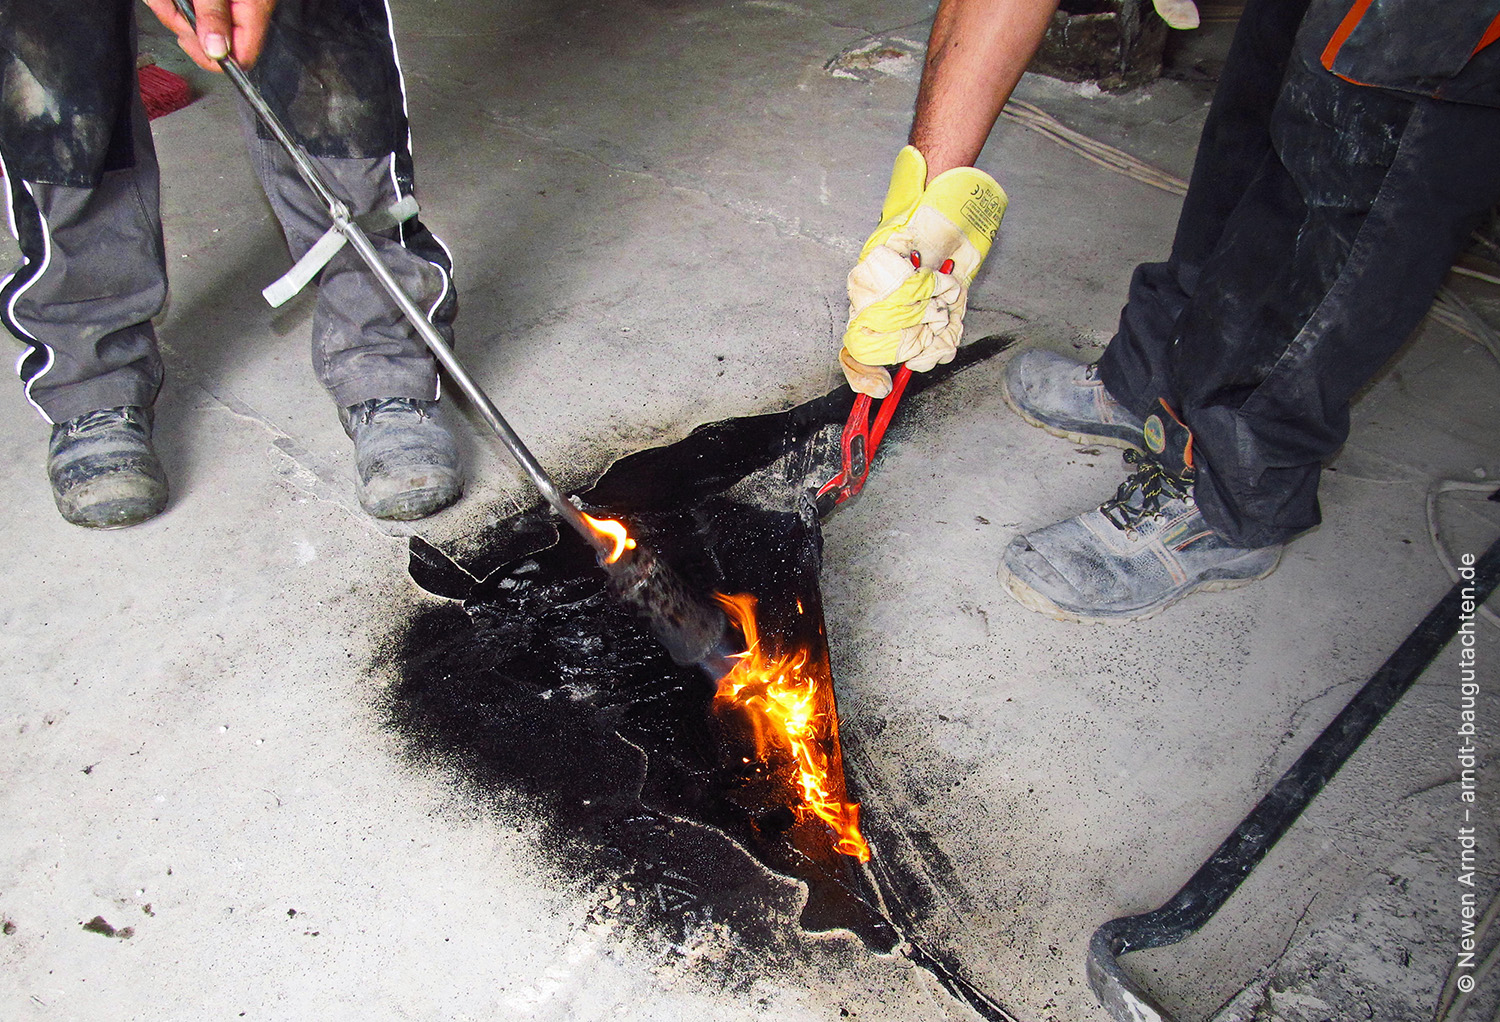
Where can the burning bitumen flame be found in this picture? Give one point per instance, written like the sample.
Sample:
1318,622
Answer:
790,705
611,532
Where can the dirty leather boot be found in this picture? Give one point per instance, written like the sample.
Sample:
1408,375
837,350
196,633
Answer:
103,471
1141,551
407,461
1067,399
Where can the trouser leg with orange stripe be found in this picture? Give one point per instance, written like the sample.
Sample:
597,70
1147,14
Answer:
1320,221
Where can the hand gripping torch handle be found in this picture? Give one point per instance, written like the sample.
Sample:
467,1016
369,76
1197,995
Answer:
360,242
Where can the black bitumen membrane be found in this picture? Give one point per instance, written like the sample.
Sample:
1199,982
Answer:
564,714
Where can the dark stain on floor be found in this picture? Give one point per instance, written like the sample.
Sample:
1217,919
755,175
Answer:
561,709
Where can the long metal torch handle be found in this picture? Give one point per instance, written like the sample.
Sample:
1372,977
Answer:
357,238
460,377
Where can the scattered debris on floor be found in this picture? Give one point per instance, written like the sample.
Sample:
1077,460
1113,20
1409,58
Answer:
104,929
886,55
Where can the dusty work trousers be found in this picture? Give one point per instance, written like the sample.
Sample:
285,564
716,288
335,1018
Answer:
1319,222
81,185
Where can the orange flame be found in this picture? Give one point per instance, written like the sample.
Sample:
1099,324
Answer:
791,706
612,532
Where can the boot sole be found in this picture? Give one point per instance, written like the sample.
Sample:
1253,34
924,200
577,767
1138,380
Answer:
1035,601
107,517
411,506
112,502
412,501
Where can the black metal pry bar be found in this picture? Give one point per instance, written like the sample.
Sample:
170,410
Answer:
1218,878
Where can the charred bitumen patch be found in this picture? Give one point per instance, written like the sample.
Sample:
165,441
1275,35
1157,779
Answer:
542,685
560,705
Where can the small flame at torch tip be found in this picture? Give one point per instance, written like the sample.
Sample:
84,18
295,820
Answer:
613,532
789,707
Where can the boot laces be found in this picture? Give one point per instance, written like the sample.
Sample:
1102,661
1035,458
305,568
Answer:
367,410
1153,483
101,418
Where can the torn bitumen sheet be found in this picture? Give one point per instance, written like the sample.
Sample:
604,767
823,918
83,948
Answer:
556,705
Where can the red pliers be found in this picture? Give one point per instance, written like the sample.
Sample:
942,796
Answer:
861,439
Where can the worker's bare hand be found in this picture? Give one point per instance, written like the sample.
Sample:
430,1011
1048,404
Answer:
225,28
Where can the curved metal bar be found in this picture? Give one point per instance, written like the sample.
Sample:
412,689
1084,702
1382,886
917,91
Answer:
1218,878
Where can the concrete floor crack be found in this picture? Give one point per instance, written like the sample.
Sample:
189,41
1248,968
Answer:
1441,782
1268,771
839,63
1264,978
309,473
790,8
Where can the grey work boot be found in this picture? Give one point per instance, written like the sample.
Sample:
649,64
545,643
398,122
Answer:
1137,554
103,471
1067,399
407,461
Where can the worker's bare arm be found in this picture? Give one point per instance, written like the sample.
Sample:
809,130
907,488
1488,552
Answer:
975,55
909,289
225,28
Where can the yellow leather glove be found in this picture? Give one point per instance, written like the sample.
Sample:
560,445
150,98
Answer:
911,310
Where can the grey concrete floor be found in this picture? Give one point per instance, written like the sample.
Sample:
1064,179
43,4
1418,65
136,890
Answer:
652,207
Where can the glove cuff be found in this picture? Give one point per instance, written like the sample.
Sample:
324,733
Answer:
908,182
973,201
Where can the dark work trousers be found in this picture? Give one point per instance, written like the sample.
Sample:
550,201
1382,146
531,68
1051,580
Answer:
81,188
1319,222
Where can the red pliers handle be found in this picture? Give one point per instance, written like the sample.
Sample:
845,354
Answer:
861,440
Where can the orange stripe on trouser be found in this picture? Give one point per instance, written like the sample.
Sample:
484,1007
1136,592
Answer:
1356,15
